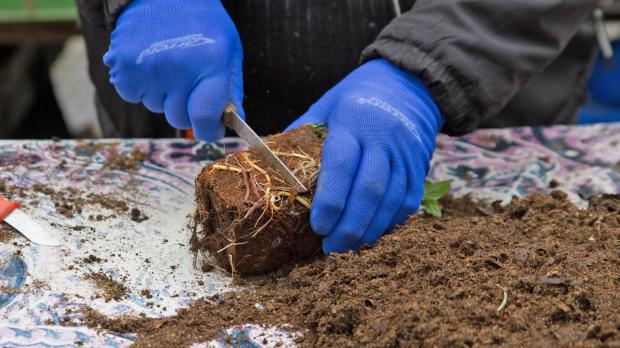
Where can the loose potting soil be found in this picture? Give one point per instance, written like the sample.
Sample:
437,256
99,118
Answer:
112,290
538,272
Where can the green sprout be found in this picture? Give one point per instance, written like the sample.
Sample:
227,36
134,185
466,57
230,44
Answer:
321,130
433,191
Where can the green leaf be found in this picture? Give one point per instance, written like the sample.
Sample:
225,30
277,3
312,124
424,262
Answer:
432,207
321,130
433,191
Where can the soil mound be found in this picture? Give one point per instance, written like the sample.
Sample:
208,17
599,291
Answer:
538,272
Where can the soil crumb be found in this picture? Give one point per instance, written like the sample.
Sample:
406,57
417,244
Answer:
537,273
146,293
71,201
5,290
130,162
6,233
111,289
137,215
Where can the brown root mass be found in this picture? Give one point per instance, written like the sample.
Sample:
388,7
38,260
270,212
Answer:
248,219
536,273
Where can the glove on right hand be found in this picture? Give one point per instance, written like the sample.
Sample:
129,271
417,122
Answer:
183,58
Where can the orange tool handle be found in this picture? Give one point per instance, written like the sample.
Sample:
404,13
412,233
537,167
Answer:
6,208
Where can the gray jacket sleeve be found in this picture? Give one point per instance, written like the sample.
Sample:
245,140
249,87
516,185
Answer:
101,13
475,55
111,10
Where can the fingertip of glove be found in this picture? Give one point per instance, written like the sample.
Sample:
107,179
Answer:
327,248
318,222
209,136
178,123
108,59
127,94
339,244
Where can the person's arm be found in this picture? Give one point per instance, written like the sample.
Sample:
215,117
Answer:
475,55
467,57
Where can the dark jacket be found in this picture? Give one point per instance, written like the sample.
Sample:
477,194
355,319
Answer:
475,55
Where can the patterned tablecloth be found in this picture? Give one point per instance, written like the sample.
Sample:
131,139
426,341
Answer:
41,286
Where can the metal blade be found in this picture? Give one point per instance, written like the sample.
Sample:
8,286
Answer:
232,120
30,229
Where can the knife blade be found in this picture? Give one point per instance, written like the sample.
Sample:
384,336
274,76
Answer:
232,120
12,215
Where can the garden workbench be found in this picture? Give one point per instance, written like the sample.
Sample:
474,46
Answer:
143,246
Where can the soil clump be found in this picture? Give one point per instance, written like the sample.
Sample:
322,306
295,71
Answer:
6,233
70,201
248,218
111,289
538,272
130,162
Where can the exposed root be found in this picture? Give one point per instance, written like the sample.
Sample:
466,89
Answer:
231,245
260,229
304,201
246,183
296,155
504,300
255,166
226,167
209,261
231,260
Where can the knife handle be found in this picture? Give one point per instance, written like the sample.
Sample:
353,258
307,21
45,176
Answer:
6,208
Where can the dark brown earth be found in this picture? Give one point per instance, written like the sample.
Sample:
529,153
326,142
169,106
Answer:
538,273
248,218
6,233
130,162
70,201
110,289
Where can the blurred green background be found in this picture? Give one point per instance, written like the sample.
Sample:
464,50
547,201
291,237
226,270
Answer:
32,35
12,11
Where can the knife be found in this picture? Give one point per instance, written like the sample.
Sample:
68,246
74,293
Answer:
11,214
232,120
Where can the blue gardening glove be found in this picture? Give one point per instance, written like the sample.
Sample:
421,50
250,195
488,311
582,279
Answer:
382,124
182,58
605,83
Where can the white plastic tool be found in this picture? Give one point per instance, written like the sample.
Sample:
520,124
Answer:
12,215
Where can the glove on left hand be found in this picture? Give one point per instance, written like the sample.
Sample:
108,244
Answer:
381,129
